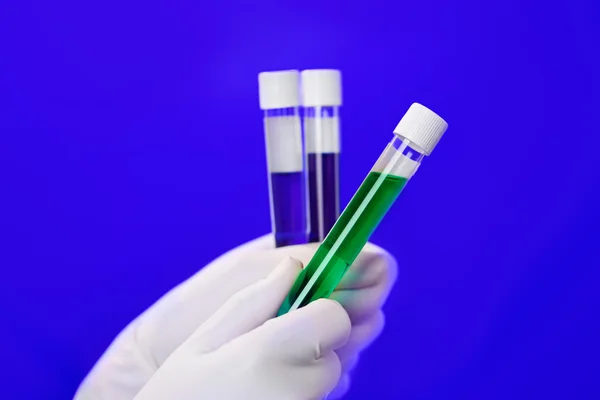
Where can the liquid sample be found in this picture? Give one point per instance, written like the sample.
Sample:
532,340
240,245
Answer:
346,239
323,191
289,210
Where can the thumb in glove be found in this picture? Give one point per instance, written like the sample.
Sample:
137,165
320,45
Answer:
240,352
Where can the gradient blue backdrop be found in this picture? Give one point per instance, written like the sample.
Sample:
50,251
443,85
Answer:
132,153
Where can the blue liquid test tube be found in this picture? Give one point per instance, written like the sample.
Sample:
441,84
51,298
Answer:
321,99
280,101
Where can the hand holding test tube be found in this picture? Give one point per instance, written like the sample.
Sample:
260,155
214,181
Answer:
359,282
237,354
148,341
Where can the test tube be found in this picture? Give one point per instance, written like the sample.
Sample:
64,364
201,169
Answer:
415,136
321,98
280,100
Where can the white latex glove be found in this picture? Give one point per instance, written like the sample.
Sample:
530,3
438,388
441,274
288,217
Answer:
145,344
236,355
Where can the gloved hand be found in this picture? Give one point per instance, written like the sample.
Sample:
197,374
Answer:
236,355
145,344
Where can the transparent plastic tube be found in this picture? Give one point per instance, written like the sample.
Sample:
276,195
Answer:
322,143
287,193
380,189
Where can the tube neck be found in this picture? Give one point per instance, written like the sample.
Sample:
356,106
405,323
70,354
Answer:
409,149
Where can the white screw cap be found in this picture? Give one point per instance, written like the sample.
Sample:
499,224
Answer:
321,87
278,89
421,126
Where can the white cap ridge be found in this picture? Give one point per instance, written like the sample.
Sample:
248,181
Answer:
278,89
321,87
421,126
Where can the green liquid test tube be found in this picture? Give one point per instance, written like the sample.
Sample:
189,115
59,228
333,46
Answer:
416,135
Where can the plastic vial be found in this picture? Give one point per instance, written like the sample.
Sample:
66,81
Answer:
415,136
280,100
321,98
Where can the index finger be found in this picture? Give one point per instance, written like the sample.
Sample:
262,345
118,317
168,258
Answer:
372,267
309,332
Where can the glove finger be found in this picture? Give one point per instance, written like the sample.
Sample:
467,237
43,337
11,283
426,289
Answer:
247,309
177,315
238,254
373,267
309,332
302,252
361,304
361,337
365,286
341,389
349,361
328,375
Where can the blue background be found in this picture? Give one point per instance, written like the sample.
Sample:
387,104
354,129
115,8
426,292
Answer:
132,153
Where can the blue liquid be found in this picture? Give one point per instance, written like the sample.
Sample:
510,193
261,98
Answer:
288,208
325,206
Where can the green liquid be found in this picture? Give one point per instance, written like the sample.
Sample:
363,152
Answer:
346,239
